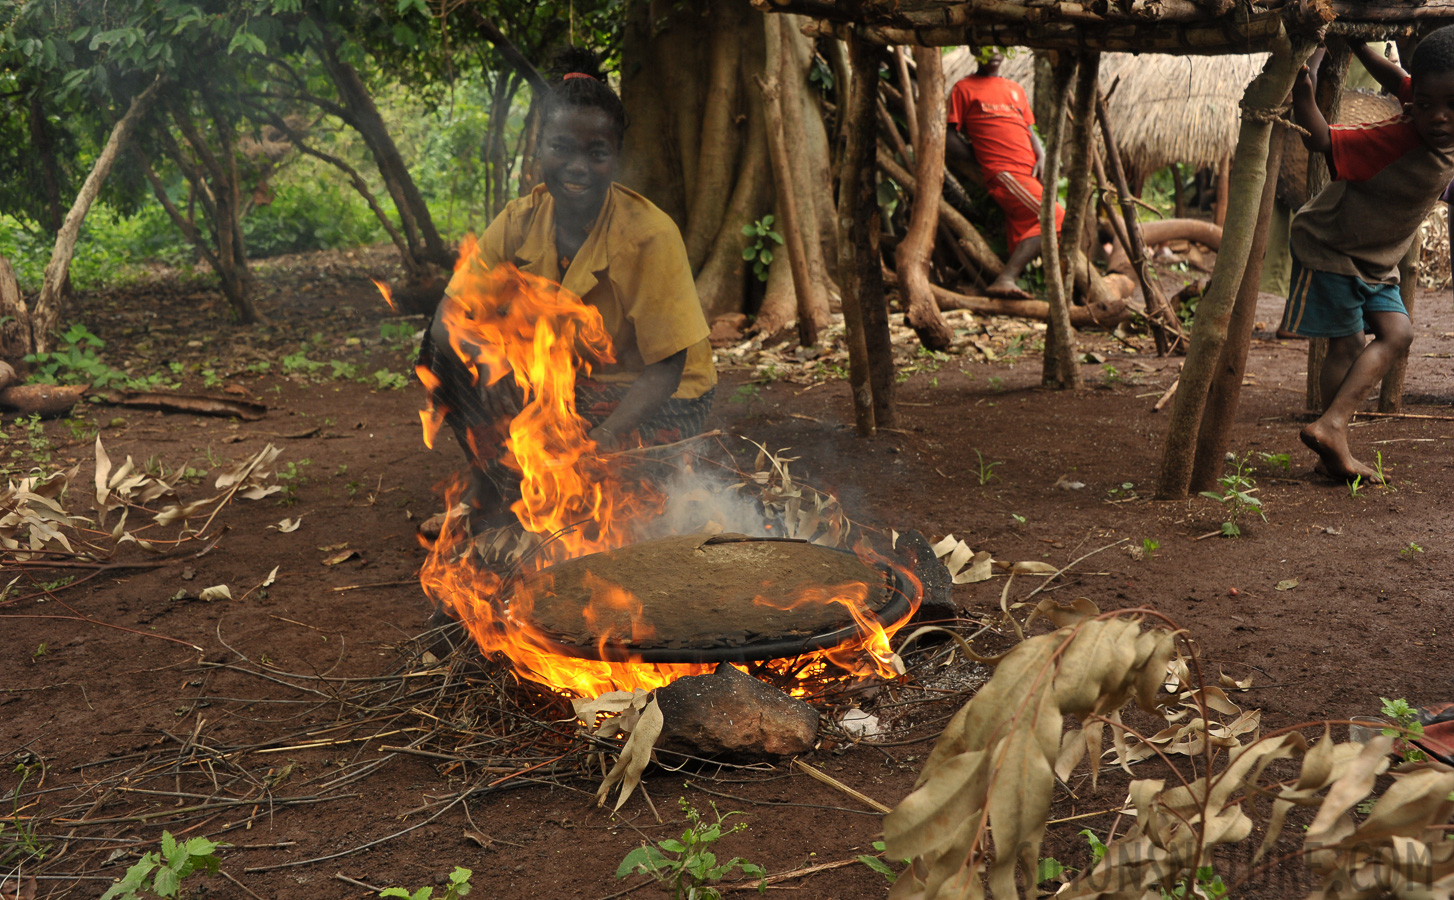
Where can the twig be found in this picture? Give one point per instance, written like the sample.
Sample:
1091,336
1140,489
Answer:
1166,397
251,893
838,785
356,883
1380,415
377,584
789,876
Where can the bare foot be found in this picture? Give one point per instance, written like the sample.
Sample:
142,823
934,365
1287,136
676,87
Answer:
1332,449
1007,291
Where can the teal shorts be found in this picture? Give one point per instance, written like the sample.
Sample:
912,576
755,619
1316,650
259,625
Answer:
1329,305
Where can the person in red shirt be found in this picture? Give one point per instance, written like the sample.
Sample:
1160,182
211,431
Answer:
992,114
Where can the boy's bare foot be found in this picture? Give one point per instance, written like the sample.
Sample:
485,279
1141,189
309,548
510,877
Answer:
1332,449
1007,291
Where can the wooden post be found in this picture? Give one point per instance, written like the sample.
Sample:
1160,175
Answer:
1391,393
1224,187
1226,391
864,314
1059,368
913,253
1331,76
1266,93
1158,311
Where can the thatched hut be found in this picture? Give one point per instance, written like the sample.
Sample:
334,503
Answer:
1165,109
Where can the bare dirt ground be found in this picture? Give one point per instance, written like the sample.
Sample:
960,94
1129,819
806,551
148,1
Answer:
126,729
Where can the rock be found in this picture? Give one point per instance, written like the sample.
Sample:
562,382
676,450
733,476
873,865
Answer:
938,603
727,329
46,400
731,715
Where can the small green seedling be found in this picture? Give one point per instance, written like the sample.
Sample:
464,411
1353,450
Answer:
1149,546
459,885
688,866
1281,461
1379,468
176,862
759,252
986,469
1018,518
1410,550
878,864
1236,497
1406,726
1355,486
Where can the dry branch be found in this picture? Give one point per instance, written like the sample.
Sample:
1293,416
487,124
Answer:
912,256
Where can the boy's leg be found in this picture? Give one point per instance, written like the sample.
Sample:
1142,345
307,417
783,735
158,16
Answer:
1328,436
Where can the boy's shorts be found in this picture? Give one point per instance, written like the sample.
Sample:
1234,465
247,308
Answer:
1019,196
1330,305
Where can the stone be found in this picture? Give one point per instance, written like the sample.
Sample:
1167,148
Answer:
732,716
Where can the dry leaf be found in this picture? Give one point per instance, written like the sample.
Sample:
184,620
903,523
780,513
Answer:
1287,584
337,558
216,592
272,576
635,755
288,526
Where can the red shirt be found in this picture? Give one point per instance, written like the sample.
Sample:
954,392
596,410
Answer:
994,114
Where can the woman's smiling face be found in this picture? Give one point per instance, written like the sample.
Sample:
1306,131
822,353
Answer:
581,151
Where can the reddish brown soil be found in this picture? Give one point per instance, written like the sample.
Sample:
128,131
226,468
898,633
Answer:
88,700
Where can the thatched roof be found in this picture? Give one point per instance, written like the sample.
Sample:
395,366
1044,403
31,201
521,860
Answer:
1165,109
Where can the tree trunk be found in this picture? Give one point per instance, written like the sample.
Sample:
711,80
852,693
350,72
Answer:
864,316
717,149
912,254
968,237
912,115
46,314
1060,369
413,212
1331,76
788,200
1391,392
1266,92
1226,390
15,341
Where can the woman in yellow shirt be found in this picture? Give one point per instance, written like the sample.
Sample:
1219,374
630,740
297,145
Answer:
620,254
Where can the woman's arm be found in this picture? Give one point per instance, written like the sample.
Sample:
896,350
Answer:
647,393
1389,74
1305,112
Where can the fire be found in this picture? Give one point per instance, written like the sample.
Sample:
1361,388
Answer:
503,323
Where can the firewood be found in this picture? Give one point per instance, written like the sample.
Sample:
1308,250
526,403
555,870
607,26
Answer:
45,400
1107,314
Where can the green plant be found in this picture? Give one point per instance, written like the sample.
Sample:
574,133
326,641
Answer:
459,885
745,393
1355,486
876,862
385,380
760,250
1111,375
342,370
1411,549
176,862
40,651
399,335
1406,726
1019,519
996,383
1378,467
1236,496
299,362
1206,886
1281,461
1149,546
292,478
689,866
986,471
1126,490
22,842
74,361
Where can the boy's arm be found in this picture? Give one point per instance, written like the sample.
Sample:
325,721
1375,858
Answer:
1389,74
1305,112
956,148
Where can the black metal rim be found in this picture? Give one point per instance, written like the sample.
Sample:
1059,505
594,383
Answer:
897,608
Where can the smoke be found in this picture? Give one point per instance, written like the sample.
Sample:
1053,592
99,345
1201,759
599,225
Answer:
703,500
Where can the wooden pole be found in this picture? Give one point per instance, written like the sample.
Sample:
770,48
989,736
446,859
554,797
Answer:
1224,187
1391,393
1265,94
913,252
1059,369
1158,311
1226,391
864,315
1331,76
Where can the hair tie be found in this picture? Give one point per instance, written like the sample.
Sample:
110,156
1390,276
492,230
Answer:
570,75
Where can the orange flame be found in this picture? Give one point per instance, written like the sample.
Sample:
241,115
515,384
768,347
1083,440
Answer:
505,323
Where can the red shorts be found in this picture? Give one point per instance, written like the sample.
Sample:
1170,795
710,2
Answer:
1019,196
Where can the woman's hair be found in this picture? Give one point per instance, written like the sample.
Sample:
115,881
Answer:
1435,53
575,80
